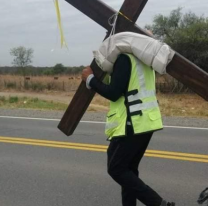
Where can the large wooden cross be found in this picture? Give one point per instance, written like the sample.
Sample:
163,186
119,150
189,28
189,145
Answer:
180,68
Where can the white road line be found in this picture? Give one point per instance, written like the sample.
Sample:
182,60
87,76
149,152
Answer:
180,127
95,122
29,118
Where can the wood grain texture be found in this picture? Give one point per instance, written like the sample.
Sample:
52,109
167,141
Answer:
79,104
131,12
95,9
189,74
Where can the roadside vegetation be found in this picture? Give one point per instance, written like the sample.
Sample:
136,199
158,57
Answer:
30,103
184,105
185,33
39,83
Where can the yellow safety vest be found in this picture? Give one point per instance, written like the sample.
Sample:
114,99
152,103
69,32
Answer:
139,102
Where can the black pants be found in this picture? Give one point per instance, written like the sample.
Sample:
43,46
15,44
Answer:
124,156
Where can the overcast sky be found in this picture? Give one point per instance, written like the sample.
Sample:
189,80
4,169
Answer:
33,23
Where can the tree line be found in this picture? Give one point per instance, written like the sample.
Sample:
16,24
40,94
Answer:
58,69
186,33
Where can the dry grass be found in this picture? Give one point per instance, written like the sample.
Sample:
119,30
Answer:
189,105
39,83
100,101
186,105
31,103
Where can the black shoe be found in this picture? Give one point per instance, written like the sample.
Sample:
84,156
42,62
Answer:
203,196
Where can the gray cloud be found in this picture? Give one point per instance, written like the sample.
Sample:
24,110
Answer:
33,23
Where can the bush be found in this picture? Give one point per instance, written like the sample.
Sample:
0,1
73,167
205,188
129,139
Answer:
2,99
37,86
13,99
34,100
185,33
11,85
50,86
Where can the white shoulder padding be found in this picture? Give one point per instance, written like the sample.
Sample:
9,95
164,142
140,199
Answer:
150,51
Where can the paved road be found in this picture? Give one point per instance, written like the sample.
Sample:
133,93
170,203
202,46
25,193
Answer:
71,171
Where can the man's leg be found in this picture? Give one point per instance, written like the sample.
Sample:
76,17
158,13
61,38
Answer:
128,195
121,152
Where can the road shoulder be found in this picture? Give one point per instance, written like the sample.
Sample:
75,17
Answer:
100,117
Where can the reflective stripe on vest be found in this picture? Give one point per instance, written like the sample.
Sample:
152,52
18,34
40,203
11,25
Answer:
142,83
143,106
141,95
110,125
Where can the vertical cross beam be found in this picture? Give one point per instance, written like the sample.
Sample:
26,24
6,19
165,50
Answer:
80,102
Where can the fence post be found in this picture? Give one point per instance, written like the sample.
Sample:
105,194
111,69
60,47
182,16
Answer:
63,86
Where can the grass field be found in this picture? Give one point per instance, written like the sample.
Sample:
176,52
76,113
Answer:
30,103
39,83
41,87
183,105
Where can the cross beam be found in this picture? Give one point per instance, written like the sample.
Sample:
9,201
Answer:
180,68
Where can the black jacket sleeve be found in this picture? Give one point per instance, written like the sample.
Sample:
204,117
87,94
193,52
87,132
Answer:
119,80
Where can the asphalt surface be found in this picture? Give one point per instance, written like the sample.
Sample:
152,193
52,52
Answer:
46,174
99,116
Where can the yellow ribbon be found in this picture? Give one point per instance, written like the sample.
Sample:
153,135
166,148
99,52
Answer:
125,16
63,42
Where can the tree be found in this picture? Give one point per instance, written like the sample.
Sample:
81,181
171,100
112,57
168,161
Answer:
59,69
185,33
22,57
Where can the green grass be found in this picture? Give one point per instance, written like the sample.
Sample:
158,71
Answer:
184,105
13,99
30,103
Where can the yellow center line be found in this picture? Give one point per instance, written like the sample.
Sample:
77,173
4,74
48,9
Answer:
177,158
53,145
54,142
103,148
177,154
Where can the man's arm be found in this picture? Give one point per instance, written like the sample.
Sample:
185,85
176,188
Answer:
119,79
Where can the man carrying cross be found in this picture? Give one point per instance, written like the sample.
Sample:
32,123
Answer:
180,68
133,117
128,123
